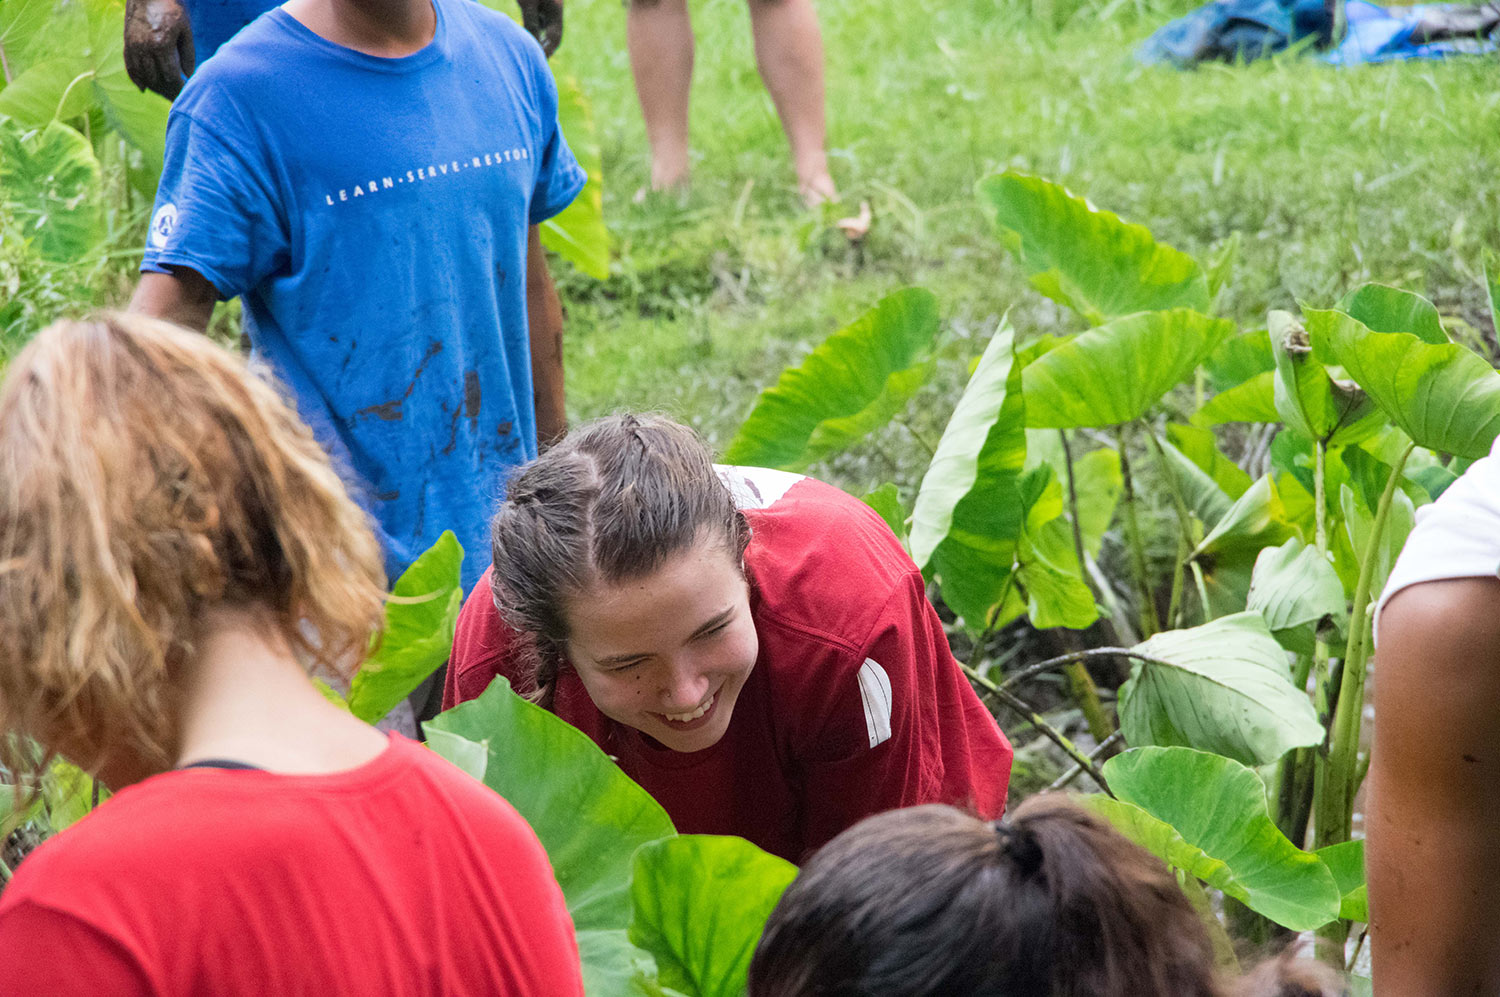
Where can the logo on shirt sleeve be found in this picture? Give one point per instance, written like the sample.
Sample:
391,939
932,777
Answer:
875,690
162,224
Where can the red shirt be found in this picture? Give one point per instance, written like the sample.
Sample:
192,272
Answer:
401,877
855,705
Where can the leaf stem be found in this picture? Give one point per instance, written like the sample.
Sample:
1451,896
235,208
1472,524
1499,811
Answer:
1084,655
922,441
63,100
1062,781
1062,434
1084,691
1336,790
1149,622
1124,630
1057,737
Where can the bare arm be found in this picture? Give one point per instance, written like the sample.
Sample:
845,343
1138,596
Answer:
544,313
184,296
1434,843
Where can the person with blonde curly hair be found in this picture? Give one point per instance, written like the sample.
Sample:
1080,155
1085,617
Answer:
175,551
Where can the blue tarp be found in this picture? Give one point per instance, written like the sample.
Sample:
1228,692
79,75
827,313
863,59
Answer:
1230,30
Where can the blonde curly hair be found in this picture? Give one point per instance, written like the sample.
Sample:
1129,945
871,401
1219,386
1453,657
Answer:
147,476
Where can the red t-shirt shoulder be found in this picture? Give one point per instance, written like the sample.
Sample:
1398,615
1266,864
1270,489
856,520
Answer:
403,876
855,704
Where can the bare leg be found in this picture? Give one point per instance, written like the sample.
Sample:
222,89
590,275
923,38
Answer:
789,52
660,38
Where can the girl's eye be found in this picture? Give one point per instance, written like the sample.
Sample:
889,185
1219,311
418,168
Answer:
714,630
627,666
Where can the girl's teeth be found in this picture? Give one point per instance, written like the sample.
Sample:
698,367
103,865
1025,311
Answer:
683,718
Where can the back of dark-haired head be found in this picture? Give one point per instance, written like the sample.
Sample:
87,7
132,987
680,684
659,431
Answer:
611,502
931,901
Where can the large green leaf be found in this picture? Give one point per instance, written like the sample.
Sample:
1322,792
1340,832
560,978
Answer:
1443,396
1116,372
886,500
1297,591
1389,309
1223,687
49,180
968,514
67,794
1201,447
1202,495
1222,264
1238,359
1359,521
21,24
56,89
1257,519
1088,259
578,233
1490,267
1252,400
1206,815
589,816
1049,573
699,904
140,116
1347,863
851,384
1099,482
1308,400
419,622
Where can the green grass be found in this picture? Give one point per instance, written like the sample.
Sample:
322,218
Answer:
1333,177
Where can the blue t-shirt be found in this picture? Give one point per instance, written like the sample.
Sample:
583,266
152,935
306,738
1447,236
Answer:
373,215
214,22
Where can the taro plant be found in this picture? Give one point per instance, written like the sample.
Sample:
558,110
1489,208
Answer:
655,912
1291,456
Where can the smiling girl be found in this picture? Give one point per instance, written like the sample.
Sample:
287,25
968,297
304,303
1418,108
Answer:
753,647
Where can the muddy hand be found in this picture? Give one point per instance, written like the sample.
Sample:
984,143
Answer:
158,45
544,20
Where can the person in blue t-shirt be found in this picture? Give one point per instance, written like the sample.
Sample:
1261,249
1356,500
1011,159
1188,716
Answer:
166,39
368,175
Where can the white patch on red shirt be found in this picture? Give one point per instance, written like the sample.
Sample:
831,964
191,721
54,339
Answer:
756,487
875,690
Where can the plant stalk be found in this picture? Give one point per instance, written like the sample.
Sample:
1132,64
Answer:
1124,630
1087,654
1085,693
1062,781
1149,622
1335,802
1056,736
1223,946
1188,538
922,441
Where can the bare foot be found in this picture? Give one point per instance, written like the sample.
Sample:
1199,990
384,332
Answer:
677,189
